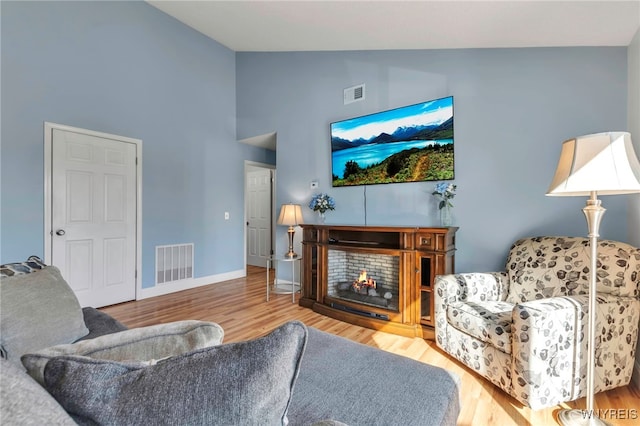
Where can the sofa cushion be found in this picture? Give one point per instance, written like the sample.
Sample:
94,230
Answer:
239,383
38,310
489,322
32,264
358,384
100,323
139,344
24,402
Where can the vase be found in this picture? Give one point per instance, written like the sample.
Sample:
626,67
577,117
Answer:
445,215
321,217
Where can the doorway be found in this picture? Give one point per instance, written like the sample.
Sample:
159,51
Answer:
259,213
92,212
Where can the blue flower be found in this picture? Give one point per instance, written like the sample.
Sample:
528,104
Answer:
321,203
441,188
445,191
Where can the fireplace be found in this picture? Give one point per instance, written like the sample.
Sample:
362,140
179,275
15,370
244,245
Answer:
400,265
368,279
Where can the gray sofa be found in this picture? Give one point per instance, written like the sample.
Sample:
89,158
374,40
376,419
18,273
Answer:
295,372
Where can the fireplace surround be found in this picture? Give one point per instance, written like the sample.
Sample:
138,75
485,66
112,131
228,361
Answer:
376,276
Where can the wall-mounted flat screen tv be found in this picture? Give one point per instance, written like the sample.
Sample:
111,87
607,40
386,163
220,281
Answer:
413,143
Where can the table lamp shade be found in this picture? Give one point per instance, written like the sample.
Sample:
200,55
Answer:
604,162
290,214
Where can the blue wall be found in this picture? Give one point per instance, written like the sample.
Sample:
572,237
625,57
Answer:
513,108
128,69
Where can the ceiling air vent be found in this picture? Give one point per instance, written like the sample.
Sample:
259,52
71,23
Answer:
354,94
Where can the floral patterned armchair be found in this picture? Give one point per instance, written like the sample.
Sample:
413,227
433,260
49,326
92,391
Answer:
525,329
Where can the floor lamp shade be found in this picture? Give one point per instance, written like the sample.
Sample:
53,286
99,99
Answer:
291,215
602,163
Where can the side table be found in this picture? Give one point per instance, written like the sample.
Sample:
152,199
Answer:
279,289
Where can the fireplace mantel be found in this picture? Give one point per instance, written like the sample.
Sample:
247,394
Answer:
413,256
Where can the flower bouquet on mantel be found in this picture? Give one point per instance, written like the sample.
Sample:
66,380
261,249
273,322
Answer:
445,192
321,203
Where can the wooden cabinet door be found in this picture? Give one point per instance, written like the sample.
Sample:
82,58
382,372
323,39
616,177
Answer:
425,274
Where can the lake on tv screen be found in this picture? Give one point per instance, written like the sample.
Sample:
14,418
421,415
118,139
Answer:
367,155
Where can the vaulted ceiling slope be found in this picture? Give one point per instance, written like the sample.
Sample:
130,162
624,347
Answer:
271,26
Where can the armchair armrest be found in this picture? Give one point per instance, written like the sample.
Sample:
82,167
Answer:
550,347
453,288
472,287
548,338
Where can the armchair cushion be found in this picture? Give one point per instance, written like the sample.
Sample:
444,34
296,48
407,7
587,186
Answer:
486,321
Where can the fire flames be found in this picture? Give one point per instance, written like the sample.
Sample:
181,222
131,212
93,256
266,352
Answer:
363,282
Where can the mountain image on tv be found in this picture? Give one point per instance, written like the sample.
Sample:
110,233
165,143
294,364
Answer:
408,144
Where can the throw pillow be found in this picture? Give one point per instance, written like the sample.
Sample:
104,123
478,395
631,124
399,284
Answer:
246,383
38,310
33,264
139,344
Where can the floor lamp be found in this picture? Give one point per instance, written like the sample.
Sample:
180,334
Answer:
605,164
290,214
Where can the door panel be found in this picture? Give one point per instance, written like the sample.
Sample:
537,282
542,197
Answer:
114,251
93,216
78,264
79,197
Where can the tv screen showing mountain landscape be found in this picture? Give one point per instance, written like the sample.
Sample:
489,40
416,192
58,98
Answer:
408,144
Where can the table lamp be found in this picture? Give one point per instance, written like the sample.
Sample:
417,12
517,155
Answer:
605,164
290,214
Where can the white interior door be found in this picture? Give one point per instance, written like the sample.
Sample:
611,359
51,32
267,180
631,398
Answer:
258,206
94,215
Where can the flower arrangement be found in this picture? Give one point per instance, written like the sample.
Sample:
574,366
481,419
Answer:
445,191
321,203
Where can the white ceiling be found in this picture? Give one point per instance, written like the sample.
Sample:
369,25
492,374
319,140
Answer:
307,25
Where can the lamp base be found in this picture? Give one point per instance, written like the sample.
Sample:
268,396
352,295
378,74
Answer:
579,418
291,254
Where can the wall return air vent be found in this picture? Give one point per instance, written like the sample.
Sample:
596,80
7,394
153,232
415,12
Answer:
174,263
354,94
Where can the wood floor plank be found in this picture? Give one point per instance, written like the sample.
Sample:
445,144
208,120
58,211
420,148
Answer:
240,307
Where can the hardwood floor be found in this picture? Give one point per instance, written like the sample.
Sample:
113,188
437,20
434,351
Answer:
240,307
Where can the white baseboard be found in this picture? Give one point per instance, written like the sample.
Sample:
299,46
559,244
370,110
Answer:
172,287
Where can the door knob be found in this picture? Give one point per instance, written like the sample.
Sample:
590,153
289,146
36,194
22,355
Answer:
60,232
